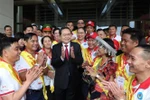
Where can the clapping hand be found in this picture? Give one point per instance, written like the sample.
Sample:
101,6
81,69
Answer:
116,90
33,74
72,52
94,73
86,63
41,58
44,61
62,52
91,71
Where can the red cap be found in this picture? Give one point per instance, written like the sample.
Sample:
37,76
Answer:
90,23
92,35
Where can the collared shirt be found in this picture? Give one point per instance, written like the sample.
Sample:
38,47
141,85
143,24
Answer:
123,75
83,43
93,52
118,38
116,41
47,79
8,84
21,66
67,47
141,91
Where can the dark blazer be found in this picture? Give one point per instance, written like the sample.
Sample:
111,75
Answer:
67,70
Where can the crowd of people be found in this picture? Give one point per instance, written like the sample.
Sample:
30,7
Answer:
69,63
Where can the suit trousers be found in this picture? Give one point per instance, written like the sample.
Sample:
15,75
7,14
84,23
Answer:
65,94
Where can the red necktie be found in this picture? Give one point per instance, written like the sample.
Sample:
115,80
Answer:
66,52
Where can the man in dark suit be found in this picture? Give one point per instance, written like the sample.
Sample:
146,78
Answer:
66,56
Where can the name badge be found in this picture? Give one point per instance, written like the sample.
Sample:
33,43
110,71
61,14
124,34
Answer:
120,81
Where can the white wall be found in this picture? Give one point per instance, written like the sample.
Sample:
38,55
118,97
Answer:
6,13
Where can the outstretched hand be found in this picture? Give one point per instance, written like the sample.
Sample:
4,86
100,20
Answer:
94,73
41,58
44,60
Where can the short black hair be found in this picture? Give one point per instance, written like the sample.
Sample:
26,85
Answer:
110,42
7,26
42,40
56,30
29,36
27,27
69,22
105,29
136,35
125,26
99,29
112,26
63,29
19,35
39,29
7,41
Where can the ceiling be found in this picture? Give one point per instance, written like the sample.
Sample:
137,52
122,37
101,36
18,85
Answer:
118,12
